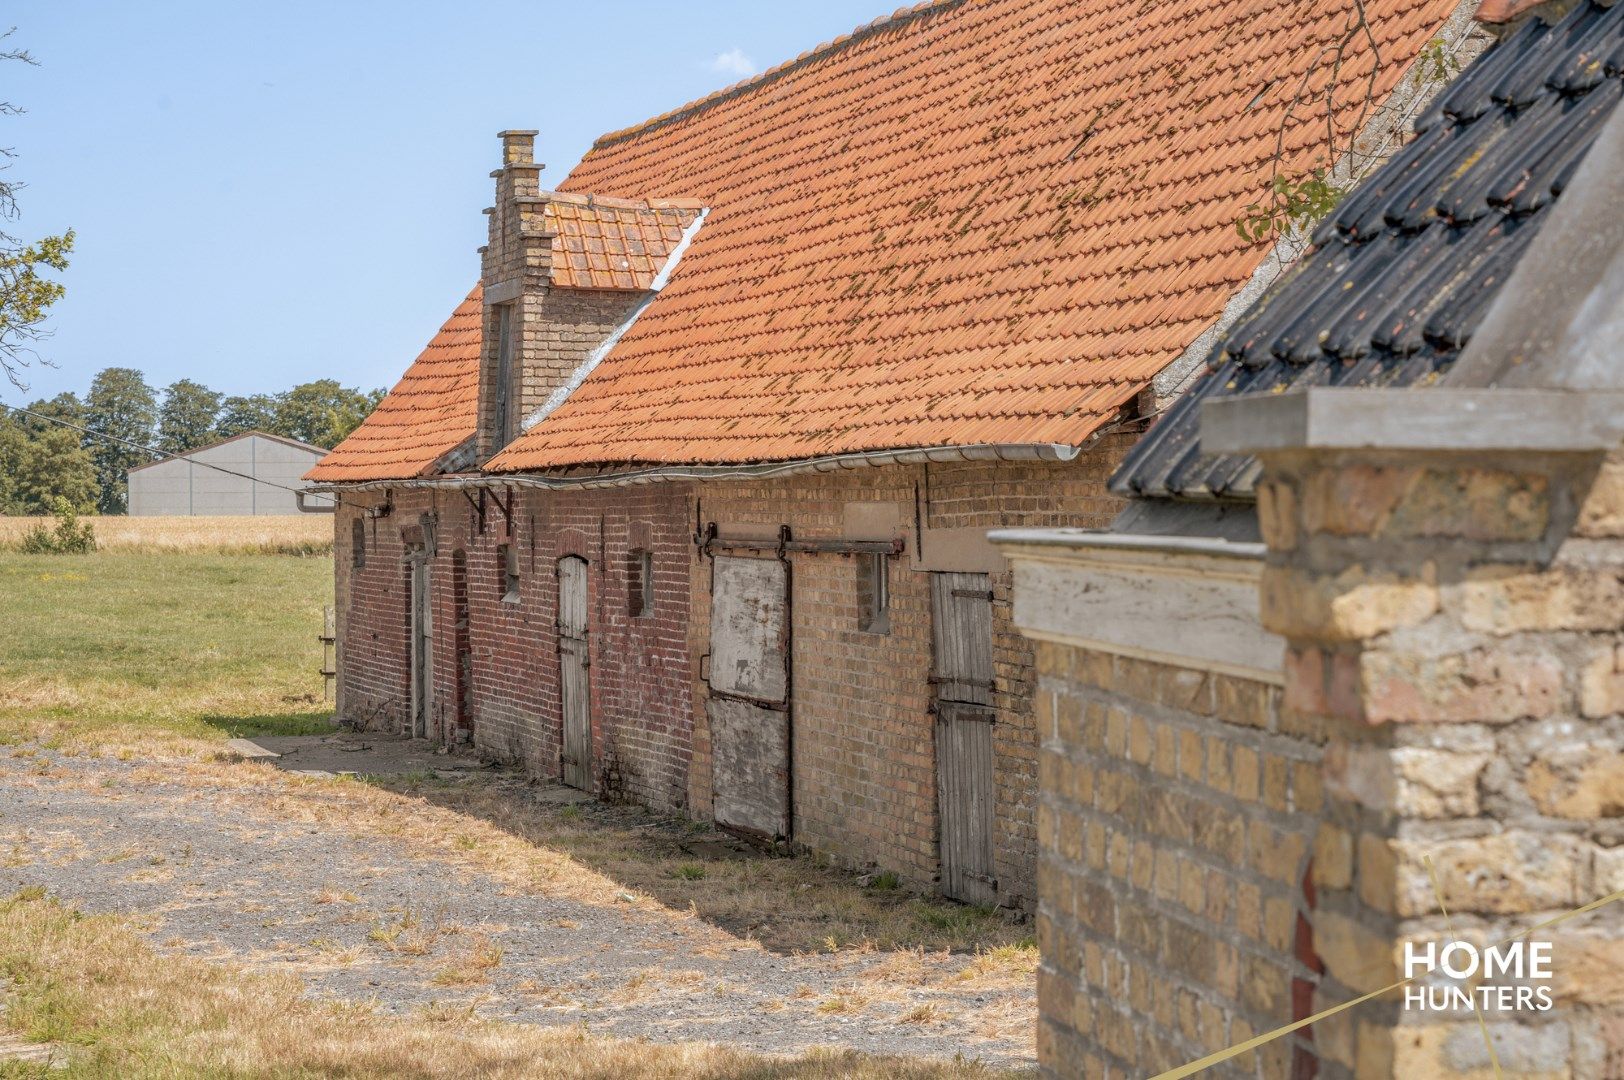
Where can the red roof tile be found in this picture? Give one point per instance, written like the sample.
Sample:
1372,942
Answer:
429,413
613,243
973,222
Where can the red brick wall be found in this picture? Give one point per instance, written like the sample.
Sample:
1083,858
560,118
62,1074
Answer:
639,666
371,602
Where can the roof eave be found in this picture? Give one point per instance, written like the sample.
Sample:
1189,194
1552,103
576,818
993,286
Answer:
1040,452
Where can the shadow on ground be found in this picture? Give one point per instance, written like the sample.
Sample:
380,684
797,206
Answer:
308,722
788,905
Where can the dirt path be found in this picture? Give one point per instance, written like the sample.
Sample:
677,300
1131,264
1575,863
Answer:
214,872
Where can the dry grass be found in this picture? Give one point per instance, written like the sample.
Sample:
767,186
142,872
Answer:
97,989
279,534
624,855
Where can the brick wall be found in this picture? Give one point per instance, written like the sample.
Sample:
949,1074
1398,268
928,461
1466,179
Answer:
371,612
864,782
1224,854
552,330
639,669
1180,809
556,331
639,665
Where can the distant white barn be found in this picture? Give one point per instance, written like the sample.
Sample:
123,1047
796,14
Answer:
251,473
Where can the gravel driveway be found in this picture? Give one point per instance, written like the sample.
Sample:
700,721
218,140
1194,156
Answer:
367,918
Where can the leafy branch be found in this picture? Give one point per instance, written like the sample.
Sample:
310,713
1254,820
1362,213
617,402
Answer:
1295,202
1294,206
26,293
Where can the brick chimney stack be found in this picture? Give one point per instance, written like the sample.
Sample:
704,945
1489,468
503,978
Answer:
516,271
536,334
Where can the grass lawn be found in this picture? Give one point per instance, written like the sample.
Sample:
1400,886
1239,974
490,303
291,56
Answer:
130,646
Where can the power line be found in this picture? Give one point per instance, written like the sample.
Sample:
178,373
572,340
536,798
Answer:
151,449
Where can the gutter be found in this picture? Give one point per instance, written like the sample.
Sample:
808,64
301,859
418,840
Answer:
1050,452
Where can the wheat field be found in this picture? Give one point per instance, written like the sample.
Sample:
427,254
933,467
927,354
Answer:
281,534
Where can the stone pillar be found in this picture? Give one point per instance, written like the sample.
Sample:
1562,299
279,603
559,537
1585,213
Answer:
1454,616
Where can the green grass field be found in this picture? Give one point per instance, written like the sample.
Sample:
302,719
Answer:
127,645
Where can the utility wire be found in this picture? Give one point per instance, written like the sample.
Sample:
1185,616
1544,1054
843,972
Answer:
152,449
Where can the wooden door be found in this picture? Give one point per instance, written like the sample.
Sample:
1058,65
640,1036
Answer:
574,663
748,706
962,681
462,723
421,667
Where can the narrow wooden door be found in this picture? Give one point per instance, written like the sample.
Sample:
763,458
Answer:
574,662
748,705
962,680
421,666
462,724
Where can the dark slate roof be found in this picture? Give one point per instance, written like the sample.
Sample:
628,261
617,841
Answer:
1398,277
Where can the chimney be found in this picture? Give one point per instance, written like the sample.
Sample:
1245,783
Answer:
515,273
518,146
536,334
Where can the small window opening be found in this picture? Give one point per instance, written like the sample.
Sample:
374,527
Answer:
503,425
873,594
640,582
358,543
507,557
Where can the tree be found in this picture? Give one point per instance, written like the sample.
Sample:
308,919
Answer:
256,412
41,470
186,420
26,295
122,407
323,412
66,406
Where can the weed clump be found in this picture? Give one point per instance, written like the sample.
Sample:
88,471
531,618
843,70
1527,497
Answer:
69,536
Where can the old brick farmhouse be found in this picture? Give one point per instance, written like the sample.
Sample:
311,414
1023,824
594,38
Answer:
687,502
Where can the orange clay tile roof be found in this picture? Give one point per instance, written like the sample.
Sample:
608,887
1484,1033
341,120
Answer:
429,413
972,222
613,243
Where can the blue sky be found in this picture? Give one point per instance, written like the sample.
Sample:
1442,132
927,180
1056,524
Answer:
275,192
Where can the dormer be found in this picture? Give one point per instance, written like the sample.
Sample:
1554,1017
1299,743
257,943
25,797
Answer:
562,274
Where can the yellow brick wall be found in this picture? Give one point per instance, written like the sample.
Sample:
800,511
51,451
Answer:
864,787
1177,823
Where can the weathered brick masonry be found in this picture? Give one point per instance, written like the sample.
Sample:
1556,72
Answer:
639,664
864,781
1180,807
1223,854
1457,621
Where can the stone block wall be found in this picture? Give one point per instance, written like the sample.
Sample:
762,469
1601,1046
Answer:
1457,620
